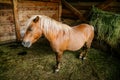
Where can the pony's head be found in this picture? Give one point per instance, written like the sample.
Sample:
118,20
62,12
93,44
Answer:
33,32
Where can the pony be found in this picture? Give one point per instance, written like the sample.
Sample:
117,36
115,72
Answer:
60,36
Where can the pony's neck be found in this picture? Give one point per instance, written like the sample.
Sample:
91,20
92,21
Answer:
52,28
49,32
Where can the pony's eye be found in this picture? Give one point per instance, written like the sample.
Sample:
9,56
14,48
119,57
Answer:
29,29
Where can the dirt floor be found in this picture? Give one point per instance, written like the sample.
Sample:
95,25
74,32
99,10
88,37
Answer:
37,63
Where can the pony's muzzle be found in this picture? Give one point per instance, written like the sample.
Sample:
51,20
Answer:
26,44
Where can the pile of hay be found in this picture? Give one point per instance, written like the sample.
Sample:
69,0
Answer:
107,26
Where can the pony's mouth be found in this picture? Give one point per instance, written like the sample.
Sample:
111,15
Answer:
26,44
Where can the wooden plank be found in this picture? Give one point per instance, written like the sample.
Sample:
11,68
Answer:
74,10
87,5
9,1
17,28
68,12
36,3
6,1
69,16
6,42
6,16
7,32
84,4
55,1
105,4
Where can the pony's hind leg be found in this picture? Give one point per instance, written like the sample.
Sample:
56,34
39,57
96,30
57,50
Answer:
84,52
86,47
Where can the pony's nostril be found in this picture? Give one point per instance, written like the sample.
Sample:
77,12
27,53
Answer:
27,43
23,43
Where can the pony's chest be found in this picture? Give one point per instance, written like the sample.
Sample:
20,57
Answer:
59,44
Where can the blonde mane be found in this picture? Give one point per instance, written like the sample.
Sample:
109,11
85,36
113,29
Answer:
50,25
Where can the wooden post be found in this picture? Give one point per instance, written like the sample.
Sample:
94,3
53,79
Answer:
60,10
15,12
74,10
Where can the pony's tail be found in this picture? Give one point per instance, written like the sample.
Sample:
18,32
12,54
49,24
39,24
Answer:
92,27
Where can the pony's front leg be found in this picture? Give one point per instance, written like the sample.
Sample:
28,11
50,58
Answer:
58,61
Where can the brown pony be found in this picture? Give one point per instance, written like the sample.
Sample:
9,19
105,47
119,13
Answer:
61,36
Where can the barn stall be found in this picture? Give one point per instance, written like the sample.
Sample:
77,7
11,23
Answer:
38,61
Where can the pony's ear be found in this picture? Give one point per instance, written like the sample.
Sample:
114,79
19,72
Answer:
36,19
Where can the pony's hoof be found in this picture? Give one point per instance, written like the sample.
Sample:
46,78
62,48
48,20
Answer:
82,58
56,70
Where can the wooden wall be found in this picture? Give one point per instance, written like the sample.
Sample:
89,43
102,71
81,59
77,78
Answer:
7,27
15,14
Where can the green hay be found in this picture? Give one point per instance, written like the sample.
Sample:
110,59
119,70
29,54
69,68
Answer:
107,26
